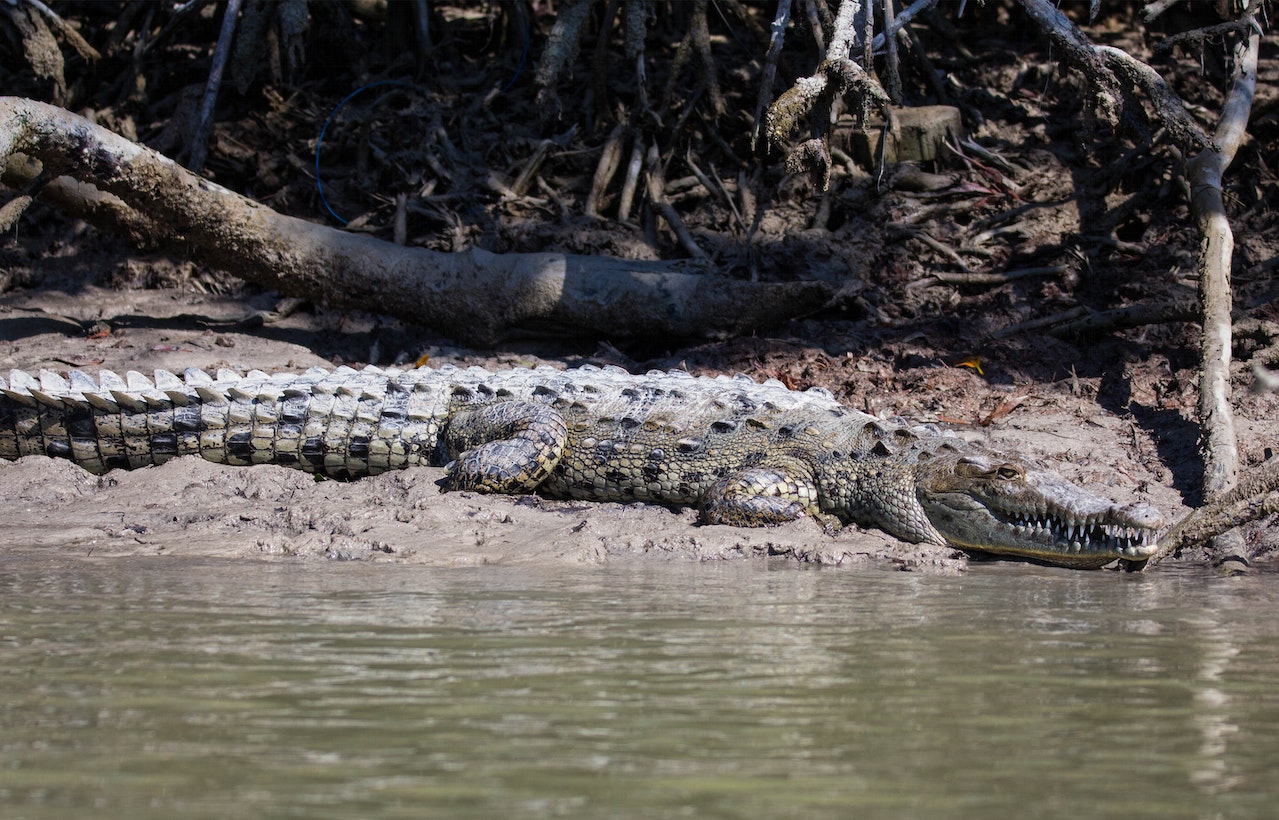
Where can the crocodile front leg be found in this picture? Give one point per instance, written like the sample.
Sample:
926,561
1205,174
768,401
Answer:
763,495
509,447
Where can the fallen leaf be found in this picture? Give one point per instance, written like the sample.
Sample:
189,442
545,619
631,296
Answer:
1005,407
971,361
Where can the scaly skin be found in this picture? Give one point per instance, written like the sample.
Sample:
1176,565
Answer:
747,454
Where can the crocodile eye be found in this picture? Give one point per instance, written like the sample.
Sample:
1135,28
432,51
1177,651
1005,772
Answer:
1008,472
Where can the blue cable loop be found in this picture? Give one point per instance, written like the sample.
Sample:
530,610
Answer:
319,184
523,56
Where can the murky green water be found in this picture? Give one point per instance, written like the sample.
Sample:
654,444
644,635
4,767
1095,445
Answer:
168,688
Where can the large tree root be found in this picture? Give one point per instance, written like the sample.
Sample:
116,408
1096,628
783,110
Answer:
474,296
1205,171
1256,496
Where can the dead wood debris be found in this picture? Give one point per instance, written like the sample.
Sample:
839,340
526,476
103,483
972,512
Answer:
474,295
815,96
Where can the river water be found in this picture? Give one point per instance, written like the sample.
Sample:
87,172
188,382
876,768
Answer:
166,687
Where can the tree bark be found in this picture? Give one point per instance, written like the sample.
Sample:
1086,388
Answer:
1205,172
475,296
1256,496
1115,75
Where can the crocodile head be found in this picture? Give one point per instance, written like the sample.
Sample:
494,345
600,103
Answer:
1003,504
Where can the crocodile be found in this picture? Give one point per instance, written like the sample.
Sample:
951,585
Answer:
745,453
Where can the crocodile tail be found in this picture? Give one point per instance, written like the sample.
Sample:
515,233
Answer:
344,423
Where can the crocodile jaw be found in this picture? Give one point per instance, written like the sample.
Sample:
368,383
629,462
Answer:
1009,506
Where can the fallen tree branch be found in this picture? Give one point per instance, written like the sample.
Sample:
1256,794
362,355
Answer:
474,296
991,278
1199,35
1081,320
1136,315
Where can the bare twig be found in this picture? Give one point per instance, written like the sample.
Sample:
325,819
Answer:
716,188
892,67
923,236
531,168
1199,35
204,125
610,159
1138,315
633,168
657,195
997,278
1041,323
900,21
811,10
769,74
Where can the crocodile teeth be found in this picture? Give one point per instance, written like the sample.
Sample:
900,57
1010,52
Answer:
137,382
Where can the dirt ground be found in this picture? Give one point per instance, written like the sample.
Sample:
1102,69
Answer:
193,508
1113,409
